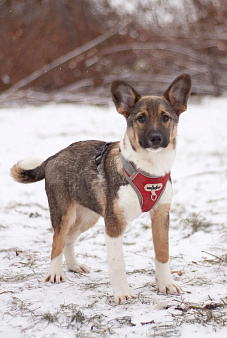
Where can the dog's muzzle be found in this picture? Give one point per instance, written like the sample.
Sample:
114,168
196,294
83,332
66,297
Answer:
156,140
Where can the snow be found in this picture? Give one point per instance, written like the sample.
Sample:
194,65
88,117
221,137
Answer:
152,11
83,305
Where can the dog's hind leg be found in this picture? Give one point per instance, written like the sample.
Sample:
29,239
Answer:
56,274
85,219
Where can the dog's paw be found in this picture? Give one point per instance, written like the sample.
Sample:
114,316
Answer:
56,274
78,267
164,279
168,286
122,295
55,277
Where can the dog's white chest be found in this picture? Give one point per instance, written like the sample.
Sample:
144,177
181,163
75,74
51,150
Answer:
129,202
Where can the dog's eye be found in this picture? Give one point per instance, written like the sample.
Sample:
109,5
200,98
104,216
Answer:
165,117
141,118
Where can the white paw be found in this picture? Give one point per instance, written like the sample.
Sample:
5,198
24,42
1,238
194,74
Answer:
164,279
56,274
168,286
78,267
123,294
55,277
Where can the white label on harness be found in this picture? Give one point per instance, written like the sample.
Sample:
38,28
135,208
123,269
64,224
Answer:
153,188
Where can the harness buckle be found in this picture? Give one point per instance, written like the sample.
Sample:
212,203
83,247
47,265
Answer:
98,158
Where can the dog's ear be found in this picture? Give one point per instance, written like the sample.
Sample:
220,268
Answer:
178,92
124,97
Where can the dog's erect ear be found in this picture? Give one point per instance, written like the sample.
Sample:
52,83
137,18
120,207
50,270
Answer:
178,92
124,97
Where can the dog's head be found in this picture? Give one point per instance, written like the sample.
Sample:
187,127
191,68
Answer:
151,120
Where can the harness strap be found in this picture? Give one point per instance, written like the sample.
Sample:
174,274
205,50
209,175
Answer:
99,157
128,167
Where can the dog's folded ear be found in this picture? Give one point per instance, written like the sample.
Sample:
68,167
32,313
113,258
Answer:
178,92
124,97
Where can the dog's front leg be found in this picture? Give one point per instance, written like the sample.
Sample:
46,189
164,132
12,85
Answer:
160,233
117,271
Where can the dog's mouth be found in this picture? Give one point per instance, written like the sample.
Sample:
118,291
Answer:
154,150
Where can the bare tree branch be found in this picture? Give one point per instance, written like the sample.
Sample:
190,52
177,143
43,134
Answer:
61,60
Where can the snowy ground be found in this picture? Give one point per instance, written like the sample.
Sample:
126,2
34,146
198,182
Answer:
83,305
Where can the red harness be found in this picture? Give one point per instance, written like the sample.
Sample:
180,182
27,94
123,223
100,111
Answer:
148,188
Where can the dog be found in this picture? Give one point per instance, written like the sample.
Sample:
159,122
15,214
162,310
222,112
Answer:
116,180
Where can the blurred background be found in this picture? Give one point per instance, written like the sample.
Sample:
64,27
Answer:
72,50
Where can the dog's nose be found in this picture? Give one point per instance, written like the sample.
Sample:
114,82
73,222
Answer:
156,139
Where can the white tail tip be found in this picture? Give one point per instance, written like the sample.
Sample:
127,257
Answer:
30,163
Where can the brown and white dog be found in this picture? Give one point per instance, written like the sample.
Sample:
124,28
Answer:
90,179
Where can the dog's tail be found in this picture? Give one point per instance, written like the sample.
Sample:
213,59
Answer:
28,171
